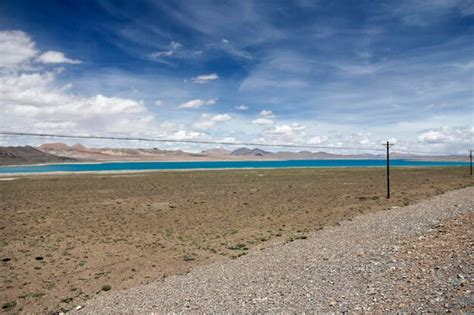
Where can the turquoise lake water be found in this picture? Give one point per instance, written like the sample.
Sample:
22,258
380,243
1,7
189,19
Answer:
145,166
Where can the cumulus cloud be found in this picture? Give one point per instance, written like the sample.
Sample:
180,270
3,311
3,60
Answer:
208,121
204,124
262,121
287,129
205,78
187,135
287,133
447,135
56,57
221,118
31,93
265,118
318,140
363,139
241,107
266,113
196,103
16,48
32,100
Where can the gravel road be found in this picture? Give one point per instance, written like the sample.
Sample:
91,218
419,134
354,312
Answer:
415,258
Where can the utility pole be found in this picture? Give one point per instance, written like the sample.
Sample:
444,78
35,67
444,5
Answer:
470,159
388,145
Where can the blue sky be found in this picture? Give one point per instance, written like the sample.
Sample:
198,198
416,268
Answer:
300,72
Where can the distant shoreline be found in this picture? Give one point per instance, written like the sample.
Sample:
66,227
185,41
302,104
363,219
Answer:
230,160
216,168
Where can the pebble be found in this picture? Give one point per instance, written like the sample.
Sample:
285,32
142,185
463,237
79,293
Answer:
414,275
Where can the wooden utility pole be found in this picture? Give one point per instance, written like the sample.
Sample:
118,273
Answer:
388,145
470,159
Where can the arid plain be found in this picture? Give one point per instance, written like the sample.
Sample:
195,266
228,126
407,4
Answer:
68,238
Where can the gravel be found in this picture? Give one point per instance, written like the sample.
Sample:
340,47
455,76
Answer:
412,259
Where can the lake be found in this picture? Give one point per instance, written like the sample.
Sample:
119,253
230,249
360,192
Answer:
189,165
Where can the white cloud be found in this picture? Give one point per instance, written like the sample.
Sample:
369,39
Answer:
293,133
159,54
56,57
362,138
16,48
196,103
287,129
17,51
205,78
207,121
187,135
447,135
204,124
32,100
173,47
266,113
65,125
318,140
262,121
434,136
241,107
158,102
221,118
265,118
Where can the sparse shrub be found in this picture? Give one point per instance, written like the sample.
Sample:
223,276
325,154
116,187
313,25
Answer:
9,305
188,258
239,246
37,295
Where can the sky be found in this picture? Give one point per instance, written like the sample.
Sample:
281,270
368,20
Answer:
328,73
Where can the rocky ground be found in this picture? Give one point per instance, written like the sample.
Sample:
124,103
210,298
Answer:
412,259
68,239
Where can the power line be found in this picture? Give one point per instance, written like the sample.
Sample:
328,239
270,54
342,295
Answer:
8,133
285,145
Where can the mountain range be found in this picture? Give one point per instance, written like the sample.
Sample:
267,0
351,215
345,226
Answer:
29,155
61,153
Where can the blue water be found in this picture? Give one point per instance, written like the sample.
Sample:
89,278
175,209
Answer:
143,166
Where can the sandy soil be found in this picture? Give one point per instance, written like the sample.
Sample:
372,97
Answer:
65,239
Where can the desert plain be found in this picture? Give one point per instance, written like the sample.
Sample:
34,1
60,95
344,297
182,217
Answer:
69,238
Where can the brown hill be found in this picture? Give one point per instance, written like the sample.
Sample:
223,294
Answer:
53,146
215,152
251,152
78,147
28,155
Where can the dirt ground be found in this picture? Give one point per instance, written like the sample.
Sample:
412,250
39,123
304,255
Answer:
65,239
